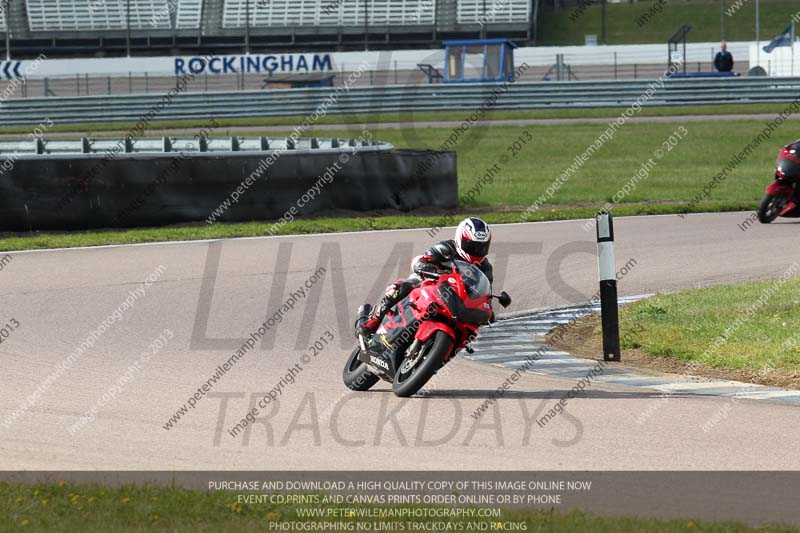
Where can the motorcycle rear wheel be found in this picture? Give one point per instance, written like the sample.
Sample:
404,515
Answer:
770,208
356,374
432,357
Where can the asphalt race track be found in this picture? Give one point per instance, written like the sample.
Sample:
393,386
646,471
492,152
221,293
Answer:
211,296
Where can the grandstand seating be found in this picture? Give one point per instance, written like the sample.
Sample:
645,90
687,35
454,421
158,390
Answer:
98,15
327,12
92,15
189,14
88,27
471,11
380,12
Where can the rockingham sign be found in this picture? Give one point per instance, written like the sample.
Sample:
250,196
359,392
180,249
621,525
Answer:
180,65
254,64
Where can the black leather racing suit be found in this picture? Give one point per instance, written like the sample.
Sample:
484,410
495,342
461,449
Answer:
431,261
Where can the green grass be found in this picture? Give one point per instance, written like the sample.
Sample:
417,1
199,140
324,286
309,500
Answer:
556,28
67,507
675,180
678,177
92,129
715,326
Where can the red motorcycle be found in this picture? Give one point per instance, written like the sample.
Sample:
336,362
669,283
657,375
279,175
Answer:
781,198
423,331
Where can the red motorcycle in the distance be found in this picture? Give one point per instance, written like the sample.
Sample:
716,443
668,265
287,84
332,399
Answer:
781,198
423,331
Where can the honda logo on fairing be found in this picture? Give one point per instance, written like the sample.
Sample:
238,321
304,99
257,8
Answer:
380,362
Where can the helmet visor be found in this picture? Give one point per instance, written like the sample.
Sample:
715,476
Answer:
475,248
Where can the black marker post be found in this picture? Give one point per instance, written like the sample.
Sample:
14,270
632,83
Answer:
607,265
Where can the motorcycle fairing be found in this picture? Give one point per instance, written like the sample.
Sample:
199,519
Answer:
428,328
394,335
792,210
780,188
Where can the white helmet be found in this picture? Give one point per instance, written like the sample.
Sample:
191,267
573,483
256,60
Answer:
473,239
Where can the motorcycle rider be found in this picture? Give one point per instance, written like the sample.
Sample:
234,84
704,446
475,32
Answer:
783,191
471,244
788,164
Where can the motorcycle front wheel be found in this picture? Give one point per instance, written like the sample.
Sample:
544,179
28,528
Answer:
356,374
414,373
770,208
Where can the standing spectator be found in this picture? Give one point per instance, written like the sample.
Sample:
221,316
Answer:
723,61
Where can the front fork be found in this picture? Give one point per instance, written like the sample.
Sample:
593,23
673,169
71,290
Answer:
410,356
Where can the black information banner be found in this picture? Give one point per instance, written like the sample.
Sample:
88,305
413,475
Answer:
755,498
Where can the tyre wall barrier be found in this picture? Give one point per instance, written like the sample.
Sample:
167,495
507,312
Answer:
53,192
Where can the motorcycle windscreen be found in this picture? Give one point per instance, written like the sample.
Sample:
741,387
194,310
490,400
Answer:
476,317
475,281
478,289
788,164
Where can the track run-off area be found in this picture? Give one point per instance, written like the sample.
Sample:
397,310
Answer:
165,320
412,124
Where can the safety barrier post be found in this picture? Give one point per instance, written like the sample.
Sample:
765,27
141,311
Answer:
609,309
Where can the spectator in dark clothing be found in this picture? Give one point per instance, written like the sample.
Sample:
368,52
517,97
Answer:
723,61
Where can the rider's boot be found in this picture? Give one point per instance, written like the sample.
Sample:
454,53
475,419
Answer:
367,326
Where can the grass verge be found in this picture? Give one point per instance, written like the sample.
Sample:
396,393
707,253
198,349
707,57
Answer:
746,332
750,325
43,240
67,507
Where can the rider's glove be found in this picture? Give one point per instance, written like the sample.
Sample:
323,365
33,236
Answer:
441,252
427,268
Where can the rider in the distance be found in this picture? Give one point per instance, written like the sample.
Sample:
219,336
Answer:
471,244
